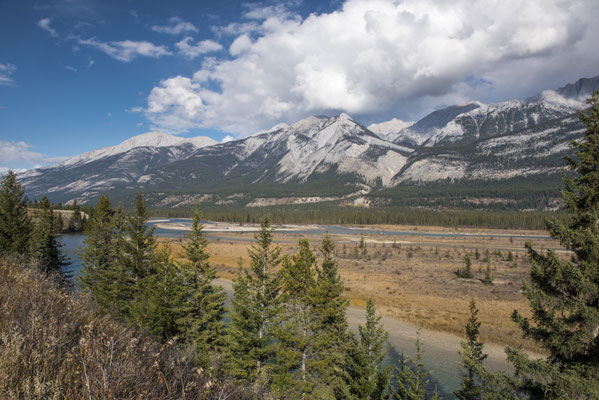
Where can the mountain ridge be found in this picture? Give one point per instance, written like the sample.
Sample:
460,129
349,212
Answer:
330,158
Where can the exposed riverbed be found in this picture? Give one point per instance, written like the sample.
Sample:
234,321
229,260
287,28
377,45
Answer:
441,349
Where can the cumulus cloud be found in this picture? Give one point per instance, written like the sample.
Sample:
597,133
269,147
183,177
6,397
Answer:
176,26
190,50
375,58
127,50
18,156
44,23
6,72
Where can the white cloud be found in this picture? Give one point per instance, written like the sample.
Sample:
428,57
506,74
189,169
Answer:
190,50
70,68
18,156
259,12
44,23
227,138
6,72
176,26
127,50
236,28
376,58
4,170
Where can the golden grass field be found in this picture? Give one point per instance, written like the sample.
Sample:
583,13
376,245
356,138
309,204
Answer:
414,279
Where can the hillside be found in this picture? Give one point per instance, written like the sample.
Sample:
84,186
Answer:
321,159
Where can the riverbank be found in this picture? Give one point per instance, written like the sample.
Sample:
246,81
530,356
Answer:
440,357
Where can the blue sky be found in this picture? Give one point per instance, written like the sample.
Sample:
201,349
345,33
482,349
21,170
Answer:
76,75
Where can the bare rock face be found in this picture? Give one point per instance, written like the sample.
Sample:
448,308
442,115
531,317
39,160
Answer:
329,159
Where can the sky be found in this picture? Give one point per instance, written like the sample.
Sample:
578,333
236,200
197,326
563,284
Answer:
77,75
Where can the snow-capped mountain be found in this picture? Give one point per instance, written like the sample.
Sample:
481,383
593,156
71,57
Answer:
100,170
330,159
389,130
473,121
149,139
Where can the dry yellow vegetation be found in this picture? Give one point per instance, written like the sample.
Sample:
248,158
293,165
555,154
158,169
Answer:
414,278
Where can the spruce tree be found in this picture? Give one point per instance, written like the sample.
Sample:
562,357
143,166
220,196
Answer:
99,255
76,220
411,378
564,294
155,306
202,305
135,257
295,375
15,225
365,374
255,308
472,357
330,323
46,246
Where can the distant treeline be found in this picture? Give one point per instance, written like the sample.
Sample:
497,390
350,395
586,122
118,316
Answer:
334,214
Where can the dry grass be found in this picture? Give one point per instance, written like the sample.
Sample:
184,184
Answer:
53,345
416,281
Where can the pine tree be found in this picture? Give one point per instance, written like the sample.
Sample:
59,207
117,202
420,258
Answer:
330,322
411,378
564,294
366,377
255,308
99,255
15,225
135,257
294,349
472,357
46,246
202,305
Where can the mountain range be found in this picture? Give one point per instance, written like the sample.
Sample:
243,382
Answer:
336,159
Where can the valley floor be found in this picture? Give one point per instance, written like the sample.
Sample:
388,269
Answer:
413,278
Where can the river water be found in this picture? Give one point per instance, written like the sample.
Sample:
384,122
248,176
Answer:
440,350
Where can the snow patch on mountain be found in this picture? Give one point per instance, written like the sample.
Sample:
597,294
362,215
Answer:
149,139
389,130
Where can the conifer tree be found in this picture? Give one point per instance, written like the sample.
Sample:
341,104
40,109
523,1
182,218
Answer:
466,273
411,378
15,224
202,305
135,257
157,297
365,374
76,220
564,294
330,322
294,330
472,357
46,246
255,307
99,255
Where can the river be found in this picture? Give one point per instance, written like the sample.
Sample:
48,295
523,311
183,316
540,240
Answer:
440,349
